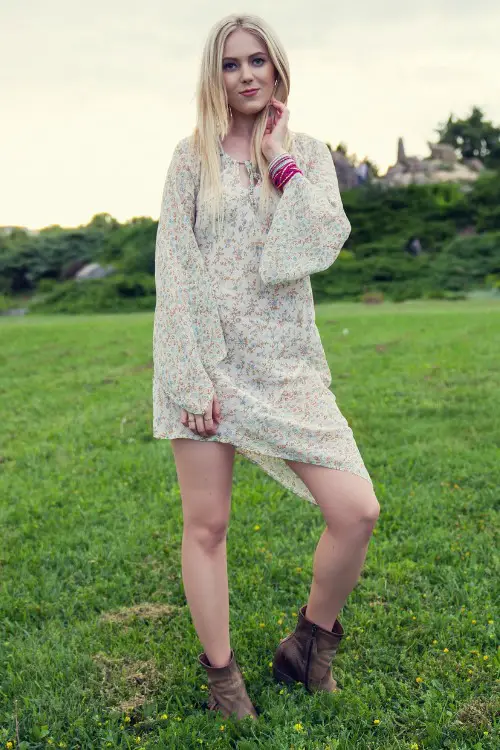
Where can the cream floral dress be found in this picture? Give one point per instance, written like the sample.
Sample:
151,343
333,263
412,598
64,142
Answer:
235,315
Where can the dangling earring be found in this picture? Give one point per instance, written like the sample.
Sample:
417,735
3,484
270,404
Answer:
230,112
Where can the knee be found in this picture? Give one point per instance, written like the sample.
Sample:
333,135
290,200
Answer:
358,518
208,535
370,510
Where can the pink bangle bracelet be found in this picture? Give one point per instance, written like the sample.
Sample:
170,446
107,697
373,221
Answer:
284,173
280,166
278,176
277,160
289,177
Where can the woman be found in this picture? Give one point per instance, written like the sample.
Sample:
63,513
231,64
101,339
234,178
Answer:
249,210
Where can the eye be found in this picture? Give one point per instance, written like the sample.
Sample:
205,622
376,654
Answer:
256,59
225,66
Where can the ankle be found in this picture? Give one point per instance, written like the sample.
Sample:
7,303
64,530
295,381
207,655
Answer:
219,663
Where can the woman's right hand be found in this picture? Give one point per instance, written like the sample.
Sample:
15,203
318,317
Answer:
203,424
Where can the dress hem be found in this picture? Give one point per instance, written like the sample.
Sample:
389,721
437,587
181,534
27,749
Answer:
295,483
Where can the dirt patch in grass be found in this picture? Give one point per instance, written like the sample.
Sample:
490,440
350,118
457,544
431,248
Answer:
478,713
144,611
126,682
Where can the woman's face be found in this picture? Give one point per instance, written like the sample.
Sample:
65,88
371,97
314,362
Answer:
246,65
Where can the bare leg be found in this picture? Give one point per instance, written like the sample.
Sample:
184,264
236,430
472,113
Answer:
350,510
205,472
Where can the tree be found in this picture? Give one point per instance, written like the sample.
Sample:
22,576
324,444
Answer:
473,137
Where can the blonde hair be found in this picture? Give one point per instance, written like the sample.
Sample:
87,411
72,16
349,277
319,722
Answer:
213,119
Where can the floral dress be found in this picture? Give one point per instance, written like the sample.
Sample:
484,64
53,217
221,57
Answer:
235,314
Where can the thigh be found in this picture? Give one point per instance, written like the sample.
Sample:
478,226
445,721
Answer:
205,474
344,498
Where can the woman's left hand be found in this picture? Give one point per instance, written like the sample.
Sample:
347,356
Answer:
276,130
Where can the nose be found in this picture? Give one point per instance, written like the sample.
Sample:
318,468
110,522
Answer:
246,73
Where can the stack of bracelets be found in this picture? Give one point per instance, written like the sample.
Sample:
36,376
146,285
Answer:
281,169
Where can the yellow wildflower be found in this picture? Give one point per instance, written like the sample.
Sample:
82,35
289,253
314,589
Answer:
376,721
127,719
413,618
9,745
280,621
298,727
434,642
419,679
485,657
222,727
262,624
445,650
473,622
490,622
270,664
165,716
256,527
298,570
414,746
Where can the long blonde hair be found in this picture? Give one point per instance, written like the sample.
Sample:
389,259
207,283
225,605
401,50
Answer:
213,119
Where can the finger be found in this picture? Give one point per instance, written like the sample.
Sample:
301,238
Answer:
278,105
191,422
184,417
209,422
216,409
282,110
199,424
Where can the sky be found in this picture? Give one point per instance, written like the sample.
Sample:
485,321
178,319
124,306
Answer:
96,95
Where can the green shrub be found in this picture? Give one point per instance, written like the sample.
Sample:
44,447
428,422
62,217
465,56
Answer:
374,259
465,262
116,293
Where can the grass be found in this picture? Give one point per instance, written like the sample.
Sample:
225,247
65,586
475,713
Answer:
97,646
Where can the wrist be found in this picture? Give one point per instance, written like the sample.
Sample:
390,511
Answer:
273,153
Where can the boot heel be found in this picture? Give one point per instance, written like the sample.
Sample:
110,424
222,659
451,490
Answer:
282,677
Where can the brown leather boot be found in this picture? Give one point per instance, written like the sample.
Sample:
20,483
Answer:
227,691
306,655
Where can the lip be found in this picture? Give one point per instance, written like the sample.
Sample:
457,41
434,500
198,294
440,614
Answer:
249,92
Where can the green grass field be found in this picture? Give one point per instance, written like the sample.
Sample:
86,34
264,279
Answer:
97,646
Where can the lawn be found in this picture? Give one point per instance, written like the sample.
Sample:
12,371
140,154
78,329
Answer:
97,648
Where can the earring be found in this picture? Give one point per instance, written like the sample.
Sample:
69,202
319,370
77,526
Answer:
230,112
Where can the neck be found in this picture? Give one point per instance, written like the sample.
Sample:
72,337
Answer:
241,125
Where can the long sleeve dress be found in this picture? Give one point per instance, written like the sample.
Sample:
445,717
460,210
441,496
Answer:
235,315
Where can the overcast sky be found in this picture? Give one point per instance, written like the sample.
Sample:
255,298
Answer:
95,95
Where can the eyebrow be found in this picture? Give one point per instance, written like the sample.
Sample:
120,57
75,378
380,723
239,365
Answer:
237,58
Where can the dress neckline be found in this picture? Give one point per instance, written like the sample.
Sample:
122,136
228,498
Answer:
229,157
252,171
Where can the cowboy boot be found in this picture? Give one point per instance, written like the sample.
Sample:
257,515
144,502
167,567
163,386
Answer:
306,655
227,691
